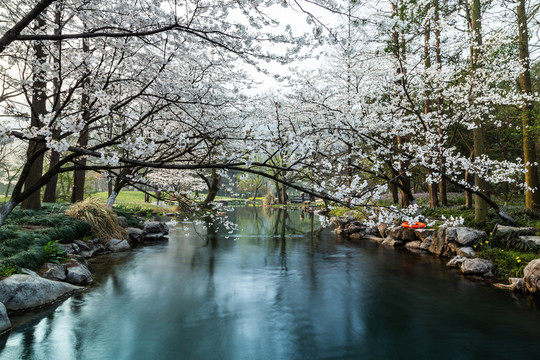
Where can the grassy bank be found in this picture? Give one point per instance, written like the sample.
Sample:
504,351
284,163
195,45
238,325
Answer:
28,238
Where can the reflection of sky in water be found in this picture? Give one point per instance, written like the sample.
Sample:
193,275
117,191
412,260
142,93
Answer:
273,293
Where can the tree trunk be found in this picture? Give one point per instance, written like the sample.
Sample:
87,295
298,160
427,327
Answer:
111,199
432,187
213,188
39,108
398,45
394,192
443,192
80,175
118,186
532,198
50,189
468,194
480,205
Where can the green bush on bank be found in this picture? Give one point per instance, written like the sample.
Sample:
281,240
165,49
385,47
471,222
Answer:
22,247
508,263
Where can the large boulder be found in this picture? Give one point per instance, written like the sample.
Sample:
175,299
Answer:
401,233
53,271
135,235
532,276
464,236
25,292
503,230
438,245
5,324
480,267
117,245
78,275
155,227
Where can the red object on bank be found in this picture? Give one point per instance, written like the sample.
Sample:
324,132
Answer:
416,225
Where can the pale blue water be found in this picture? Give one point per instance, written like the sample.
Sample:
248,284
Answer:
279,292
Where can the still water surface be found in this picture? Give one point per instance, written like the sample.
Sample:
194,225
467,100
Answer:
278,288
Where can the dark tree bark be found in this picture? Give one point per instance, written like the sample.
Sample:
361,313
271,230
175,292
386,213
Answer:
213,188
38,109
50,190
80,175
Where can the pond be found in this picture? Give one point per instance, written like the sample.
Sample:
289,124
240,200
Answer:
279,287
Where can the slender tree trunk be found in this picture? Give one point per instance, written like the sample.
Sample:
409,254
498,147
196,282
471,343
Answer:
80,175
432,187
50,189
118,186
532,198
480,205
443,192
38,108
468,194
398,44
111,199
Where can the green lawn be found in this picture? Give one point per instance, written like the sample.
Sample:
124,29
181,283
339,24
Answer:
131,197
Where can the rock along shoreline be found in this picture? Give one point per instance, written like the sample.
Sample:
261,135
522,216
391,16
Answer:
54,283
454,242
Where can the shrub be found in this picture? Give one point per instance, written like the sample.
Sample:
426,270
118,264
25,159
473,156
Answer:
508,263
103,220
54,253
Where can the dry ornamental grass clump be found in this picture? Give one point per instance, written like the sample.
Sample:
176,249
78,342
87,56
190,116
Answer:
103,220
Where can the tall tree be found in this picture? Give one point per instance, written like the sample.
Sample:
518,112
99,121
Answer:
532,194
50,190
432,186
480,205
438,60
79,176
38,109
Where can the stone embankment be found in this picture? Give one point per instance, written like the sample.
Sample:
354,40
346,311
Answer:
55,282
455,242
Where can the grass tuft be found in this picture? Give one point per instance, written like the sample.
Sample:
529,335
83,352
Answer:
103,220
